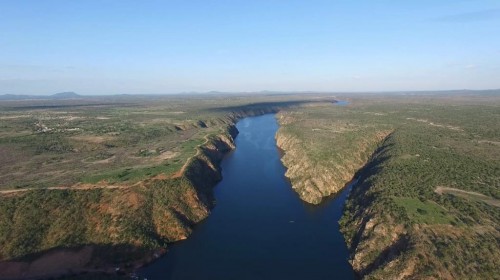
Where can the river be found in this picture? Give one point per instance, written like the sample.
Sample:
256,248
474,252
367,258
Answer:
259,228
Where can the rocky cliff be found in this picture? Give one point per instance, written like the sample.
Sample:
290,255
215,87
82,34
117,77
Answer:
311,181
315,179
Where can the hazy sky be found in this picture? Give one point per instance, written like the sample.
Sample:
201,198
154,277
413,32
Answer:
110,47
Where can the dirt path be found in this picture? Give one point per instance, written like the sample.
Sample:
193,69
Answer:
469,195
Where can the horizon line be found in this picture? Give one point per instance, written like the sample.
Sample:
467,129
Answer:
253,92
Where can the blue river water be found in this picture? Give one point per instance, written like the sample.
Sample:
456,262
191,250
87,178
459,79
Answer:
259,228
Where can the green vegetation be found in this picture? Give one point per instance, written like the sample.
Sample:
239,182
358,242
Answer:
128,175
426,212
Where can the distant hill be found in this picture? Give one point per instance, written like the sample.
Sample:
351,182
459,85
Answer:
58,96
65,95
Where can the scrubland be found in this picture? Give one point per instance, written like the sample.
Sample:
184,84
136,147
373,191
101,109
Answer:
111,181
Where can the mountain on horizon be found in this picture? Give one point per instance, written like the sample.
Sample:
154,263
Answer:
65,95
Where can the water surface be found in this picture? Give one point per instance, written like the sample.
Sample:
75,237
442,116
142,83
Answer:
259,228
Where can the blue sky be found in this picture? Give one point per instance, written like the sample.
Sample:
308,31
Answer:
112,47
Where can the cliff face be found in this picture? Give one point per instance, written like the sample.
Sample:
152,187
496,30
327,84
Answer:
315,179
310,180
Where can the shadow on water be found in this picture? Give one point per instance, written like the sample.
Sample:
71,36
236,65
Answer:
259,229
334,200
